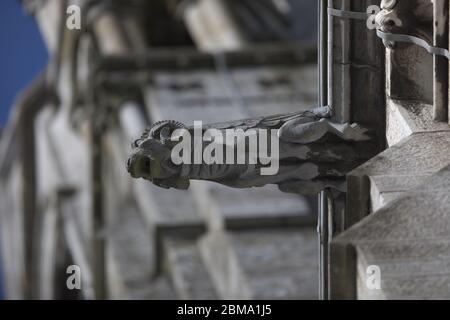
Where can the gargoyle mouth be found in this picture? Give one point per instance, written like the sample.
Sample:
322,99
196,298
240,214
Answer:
129,165
131,169
139,167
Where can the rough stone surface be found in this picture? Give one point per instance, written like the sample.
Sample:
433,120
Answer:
263,264
241,93
166,207
384,189
422,153
406,117
392,172
131,258
228,208
187,271
409,240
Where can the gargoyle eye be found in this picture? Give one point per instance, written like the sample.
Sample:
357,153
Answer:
135,144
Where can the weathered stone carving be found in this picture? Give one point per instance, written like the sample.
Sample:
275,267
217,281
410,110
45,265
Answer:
388,18
314,153
406,17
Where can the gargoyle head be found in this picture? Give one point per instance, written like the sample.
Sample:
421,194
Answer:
151,159
406,17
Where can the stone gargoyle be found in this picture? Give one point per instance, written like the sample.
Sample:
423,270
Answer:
313,153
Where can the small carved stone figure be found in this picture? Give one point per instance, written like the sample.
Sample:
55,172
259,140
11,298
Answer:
312,153
398,17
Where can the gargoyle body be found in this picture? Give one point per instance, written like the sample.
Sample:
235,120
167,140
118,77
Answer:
312,153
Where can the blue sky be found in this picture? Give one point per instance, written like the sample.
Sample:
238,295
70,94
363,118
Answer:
22,53
22,57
